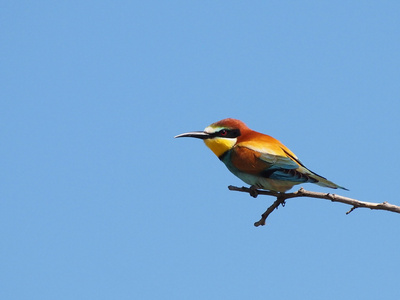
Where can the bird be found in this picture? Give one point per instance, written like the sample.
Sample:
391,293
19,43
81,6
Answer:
258,159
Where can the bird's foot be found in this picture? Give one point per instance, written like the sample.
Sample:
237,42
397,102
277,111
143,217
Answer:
282,199
253,191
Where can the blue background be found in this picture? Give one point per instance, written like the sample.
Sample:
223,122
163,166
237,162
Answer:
98,201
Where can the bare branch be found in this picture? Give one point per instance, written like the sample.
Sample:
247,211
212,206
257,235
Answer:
281,198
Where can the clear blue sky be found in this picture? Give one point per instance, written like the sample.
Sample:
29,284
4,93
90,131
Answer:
98,201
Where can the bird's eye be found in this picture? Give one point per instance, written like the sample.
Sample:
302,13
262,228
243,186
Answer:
223,132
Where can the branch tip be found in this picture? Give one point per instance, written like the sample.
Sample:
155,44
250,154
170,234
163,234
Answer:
351,209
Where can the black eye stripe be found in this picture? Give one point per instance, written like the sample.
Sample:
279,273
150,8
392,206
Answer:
226,133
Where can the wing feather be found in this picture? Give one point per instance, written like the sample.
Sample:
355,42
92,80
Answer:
269,159
264,156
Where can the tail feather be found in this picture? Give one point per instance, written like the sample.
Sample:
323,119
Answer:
321,181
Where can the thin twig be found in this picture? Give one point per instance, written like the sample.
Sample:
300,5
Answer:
281,197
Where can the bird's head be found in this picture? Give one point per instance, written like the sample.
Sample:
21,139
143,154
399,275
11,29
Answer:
220,136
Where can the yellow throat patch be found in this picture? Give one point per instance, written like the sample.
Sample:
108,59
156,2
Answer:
220,145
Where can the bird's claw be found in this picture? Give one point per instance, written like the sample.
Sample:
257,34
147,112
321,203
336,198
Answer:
253,191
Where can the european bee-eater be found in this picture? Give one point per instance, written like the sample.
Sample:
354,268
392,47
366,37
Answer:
258,159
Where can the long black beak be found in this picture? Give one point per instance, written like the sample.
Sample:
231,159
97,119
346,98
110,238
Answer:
195,134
